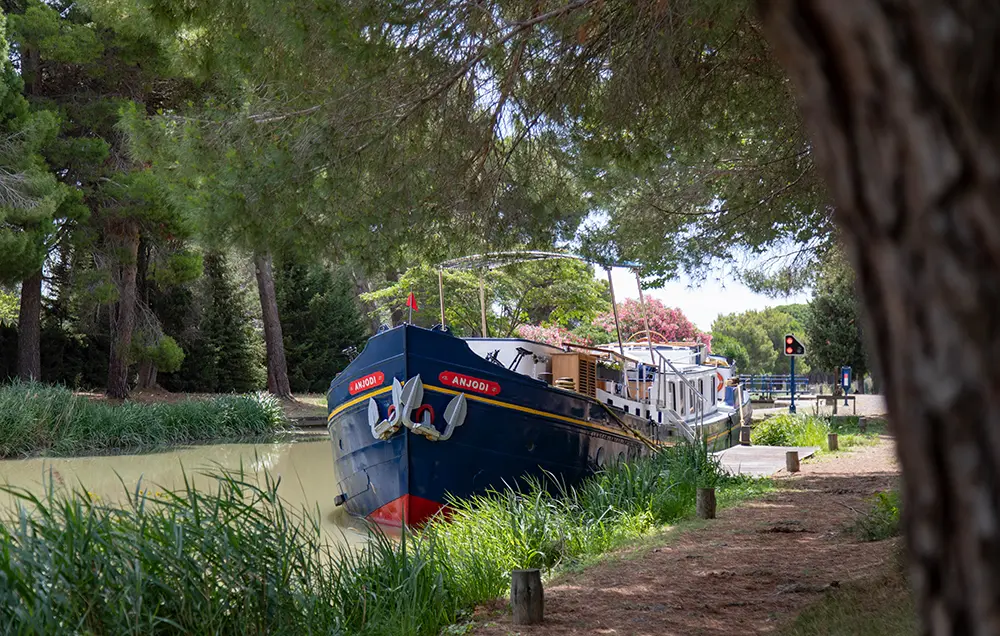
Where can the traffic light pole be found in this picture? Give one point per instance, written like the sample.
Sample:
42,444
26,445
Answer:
791,407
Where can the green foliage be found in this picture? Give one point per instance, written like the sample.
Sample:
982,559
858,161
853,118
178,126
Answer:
725,345
811,430
233,558
230,559
833,325
791,430
166,354
215,330
178,268
559,292
319,319
758,337
9,307
546,524
37,418
882,519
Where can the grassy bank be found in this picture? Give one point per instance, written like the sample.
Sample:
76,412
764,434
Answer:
37,418
235,560
812,430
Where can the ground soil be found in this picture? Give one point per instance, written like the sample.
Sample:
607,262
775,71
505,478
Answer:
749,571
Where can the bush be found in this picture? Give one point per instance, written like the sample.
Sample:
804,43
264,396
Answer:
38,418
882,519
791,430
811,430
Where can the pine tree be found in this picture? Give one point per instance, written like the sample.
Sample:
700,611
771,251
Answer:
321,318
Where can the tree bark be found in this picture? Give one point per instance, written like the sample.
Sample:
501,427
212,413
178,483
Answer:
147,374
29,329
277,368
902,101
124,238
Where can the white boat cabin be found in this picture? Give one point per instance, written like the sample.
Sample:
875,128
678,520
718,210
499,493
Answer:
672,384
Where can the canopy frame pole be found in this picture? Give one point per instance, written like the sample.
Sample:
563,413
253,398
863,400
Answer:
482,303
618,332
645,321
441,294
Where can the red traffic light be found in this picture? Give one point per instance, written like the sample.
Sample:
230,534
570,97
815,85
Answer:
793,347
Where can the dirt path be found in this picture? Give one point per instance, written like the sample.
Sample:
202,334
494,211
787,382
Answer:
746,572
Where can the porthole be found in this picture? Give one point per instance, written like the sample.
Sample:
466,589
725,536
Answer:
599,457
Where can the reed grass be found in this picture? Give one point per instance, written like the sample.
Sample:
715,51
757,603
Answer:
232,558
37,418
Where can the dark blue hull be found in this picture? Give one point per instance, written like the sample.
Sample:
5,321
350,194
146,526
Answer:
513,426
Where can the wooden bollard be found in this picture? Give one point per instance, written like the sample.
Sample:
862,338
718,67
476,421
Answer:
744,436
792,461
862,424
705,503
527,599
831,441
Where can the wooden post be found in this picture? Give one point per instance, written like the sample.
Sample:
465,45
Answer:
831,441
705,503
792,461
527,599
862,424
744,436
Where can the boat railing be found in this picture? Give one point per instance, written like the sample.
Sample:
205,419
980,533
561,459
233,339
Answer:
699,404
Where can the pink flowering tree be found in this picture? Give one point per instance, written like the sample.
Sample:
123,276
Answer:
550,335
668,322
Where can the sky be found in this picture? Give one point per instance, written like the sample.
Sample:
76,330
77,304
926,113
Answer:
701,301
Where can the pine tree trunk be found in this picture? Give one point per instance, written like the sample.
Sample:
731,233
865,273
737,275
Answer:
29,329
903,103
277,369
147,374
124,240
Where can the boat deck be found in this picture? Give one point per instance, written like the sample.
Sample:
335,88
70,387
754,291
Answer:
759,461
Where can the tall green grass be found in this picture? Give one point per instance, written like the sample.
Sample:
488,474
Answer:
37,418
233,559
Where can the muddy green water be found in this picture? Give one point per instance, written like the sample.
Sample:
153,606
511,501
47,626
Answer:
305,468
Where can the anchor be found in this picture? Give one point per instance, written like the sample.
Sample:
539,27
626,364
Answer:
386,428
405,399
454,415
413,395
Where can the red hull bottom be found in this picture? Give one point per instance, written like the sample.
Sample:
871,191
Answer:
408,510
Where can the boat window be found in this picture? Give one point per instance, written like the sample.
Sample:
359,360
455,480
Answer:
647,415
673,396
701,386
599,458
659,417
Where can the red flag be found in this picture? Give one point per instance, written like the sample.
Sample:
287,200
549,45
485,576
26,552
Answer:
411,302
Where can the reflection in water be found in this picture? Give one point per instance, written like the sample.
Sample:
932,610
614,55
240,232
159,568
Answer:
305,469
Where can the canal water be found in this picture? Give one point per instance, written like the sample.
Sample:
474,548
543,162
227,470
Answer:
305,467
